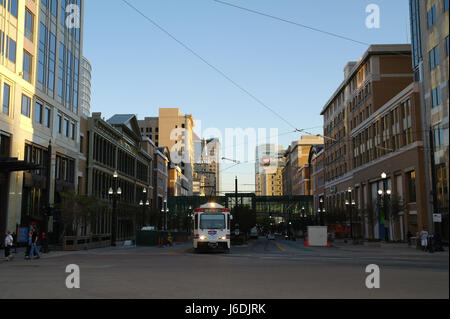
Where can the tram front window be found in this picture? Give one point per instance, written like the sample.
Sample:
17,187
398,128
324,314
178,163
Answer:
212,221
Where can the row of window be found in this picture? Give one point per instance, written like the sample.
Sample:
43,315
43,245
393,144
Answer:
432,13
8,47
388,134
68,69
52,5
12,6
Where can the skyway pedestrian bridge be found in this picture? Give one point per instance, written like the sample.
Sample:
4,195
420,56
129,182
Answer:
275,206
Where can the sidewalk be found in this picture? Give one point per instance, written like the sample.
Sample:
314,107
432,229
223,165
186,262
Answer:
385,247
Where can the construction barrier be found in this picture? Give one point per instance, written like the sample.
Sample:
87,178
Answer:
160,238
74,243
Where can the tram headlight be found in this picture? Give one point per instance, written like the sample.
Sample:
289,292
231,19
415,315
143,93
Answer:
202,237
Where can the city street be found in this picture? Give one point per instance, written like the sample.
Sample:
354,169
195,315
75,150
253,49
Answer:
262,269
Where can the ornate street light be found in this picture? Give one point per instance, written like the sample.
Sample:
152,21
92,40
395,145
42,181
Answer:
114,192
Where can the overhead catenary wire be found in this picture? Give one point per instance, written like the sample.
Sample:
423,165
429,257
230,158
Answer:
216,69
294,23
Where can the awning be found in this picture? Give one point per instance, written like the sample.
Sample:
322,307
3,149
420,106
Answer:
14,165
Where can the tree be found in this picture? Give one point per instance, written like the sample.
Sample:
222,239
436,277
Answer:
396,206
77,210
244,216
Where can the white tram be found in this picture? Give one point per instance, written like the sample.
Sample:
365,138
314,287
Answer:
212,227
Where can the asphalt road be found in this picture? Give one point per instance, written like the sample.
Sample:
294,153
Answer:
261,270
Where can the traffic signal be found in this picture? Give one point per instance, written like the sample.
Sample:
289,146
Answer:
270,216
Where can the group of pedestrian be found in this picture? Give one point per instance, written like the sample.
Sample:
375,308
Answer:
33,242
430,242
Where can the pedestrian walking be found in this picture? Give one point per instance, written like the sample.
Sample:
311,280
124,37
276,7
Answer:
8,245
424,239
29,242
34,245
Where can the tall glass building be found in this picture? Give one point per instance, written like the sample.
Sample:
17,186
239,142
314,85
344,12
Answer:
41,45
85,86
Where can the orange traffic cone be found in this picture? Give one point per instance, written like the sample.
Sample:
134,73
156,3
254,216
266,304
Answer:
329,244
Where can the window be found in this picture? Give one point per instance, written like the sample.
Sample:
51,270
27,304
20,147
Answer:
72,131
432,16
436,96
6,98
26,105
13,7
446,45
62,52
11,52
438,137
63,13
47,117
412,186
407,125
26,66
81,144
42,53
38,112
446,5
54,8
52,63
434,58
66,127
29,25
59,124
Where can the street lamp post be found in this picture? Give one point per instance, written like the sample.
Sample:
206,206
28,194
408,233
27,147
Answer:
384,194
114,192
350,203
165,210
144,203
189,220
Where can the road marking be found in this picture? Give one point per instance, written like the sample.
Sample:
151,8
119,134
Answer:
280,247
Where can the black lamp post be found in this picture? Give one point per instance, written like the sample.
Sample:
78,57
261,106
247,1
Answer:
384,194
321,211
144,203
165,210
114,192
189,220
350,203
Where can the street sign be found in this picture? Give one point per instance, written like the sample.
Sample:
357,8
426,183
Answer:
437,218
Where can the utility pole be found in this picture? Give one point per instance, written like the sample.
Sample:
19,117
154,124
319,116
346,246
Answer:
236,190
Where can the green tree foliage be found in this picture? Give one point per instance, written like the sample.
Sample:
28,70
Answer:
77,210
245,217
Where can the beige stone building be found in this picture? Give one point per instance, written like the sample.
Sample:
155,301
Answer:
296,171
173,130
39,89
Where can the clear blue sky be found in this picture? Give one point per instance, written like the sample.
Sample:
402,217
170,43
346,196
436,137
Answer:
137,68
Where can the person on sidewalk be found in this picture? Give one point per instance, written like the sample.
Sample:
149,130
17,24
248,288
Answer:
8,245
424,239
29,242
34,245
